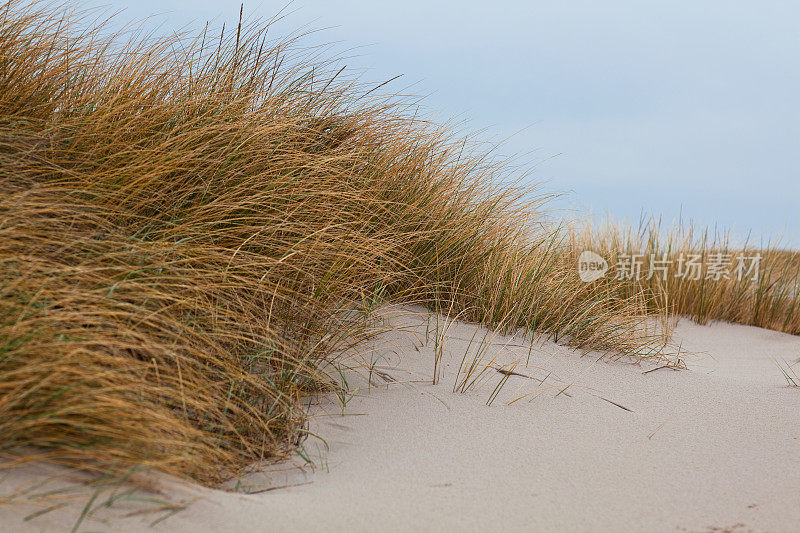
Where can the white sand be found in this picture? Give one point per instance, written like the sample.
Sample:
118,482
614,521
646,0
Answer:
713,448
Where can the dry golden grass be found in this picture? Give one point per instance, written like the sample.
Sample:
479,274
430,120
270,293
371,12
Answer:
191,227
767,296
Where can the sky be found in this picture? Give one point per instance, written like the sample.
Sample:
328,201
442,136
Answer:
623,108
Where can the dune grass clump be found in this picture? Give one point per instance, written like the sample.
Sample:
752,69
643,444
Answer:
700,276
191,227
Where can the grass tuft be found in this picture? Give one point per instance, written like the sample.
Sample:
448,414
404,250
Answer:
763,292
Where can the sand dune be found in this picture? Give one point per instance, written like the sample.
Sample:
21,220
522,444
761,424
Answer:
589,445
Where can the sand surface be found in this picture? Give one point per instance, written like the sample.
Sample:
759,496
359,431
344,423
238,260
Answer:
588,444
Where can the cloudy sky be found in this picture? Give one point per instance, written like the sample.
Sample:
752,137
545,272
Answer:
625,107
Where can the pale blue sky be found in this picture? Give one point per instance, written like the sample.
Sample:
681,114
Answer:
629,106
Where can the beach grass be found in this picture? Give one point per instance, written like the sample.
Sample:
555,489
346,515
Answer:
698,273
193,228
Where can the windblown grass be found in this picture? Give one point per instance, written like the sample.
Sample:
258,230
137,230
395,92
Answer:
766,296
191,227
